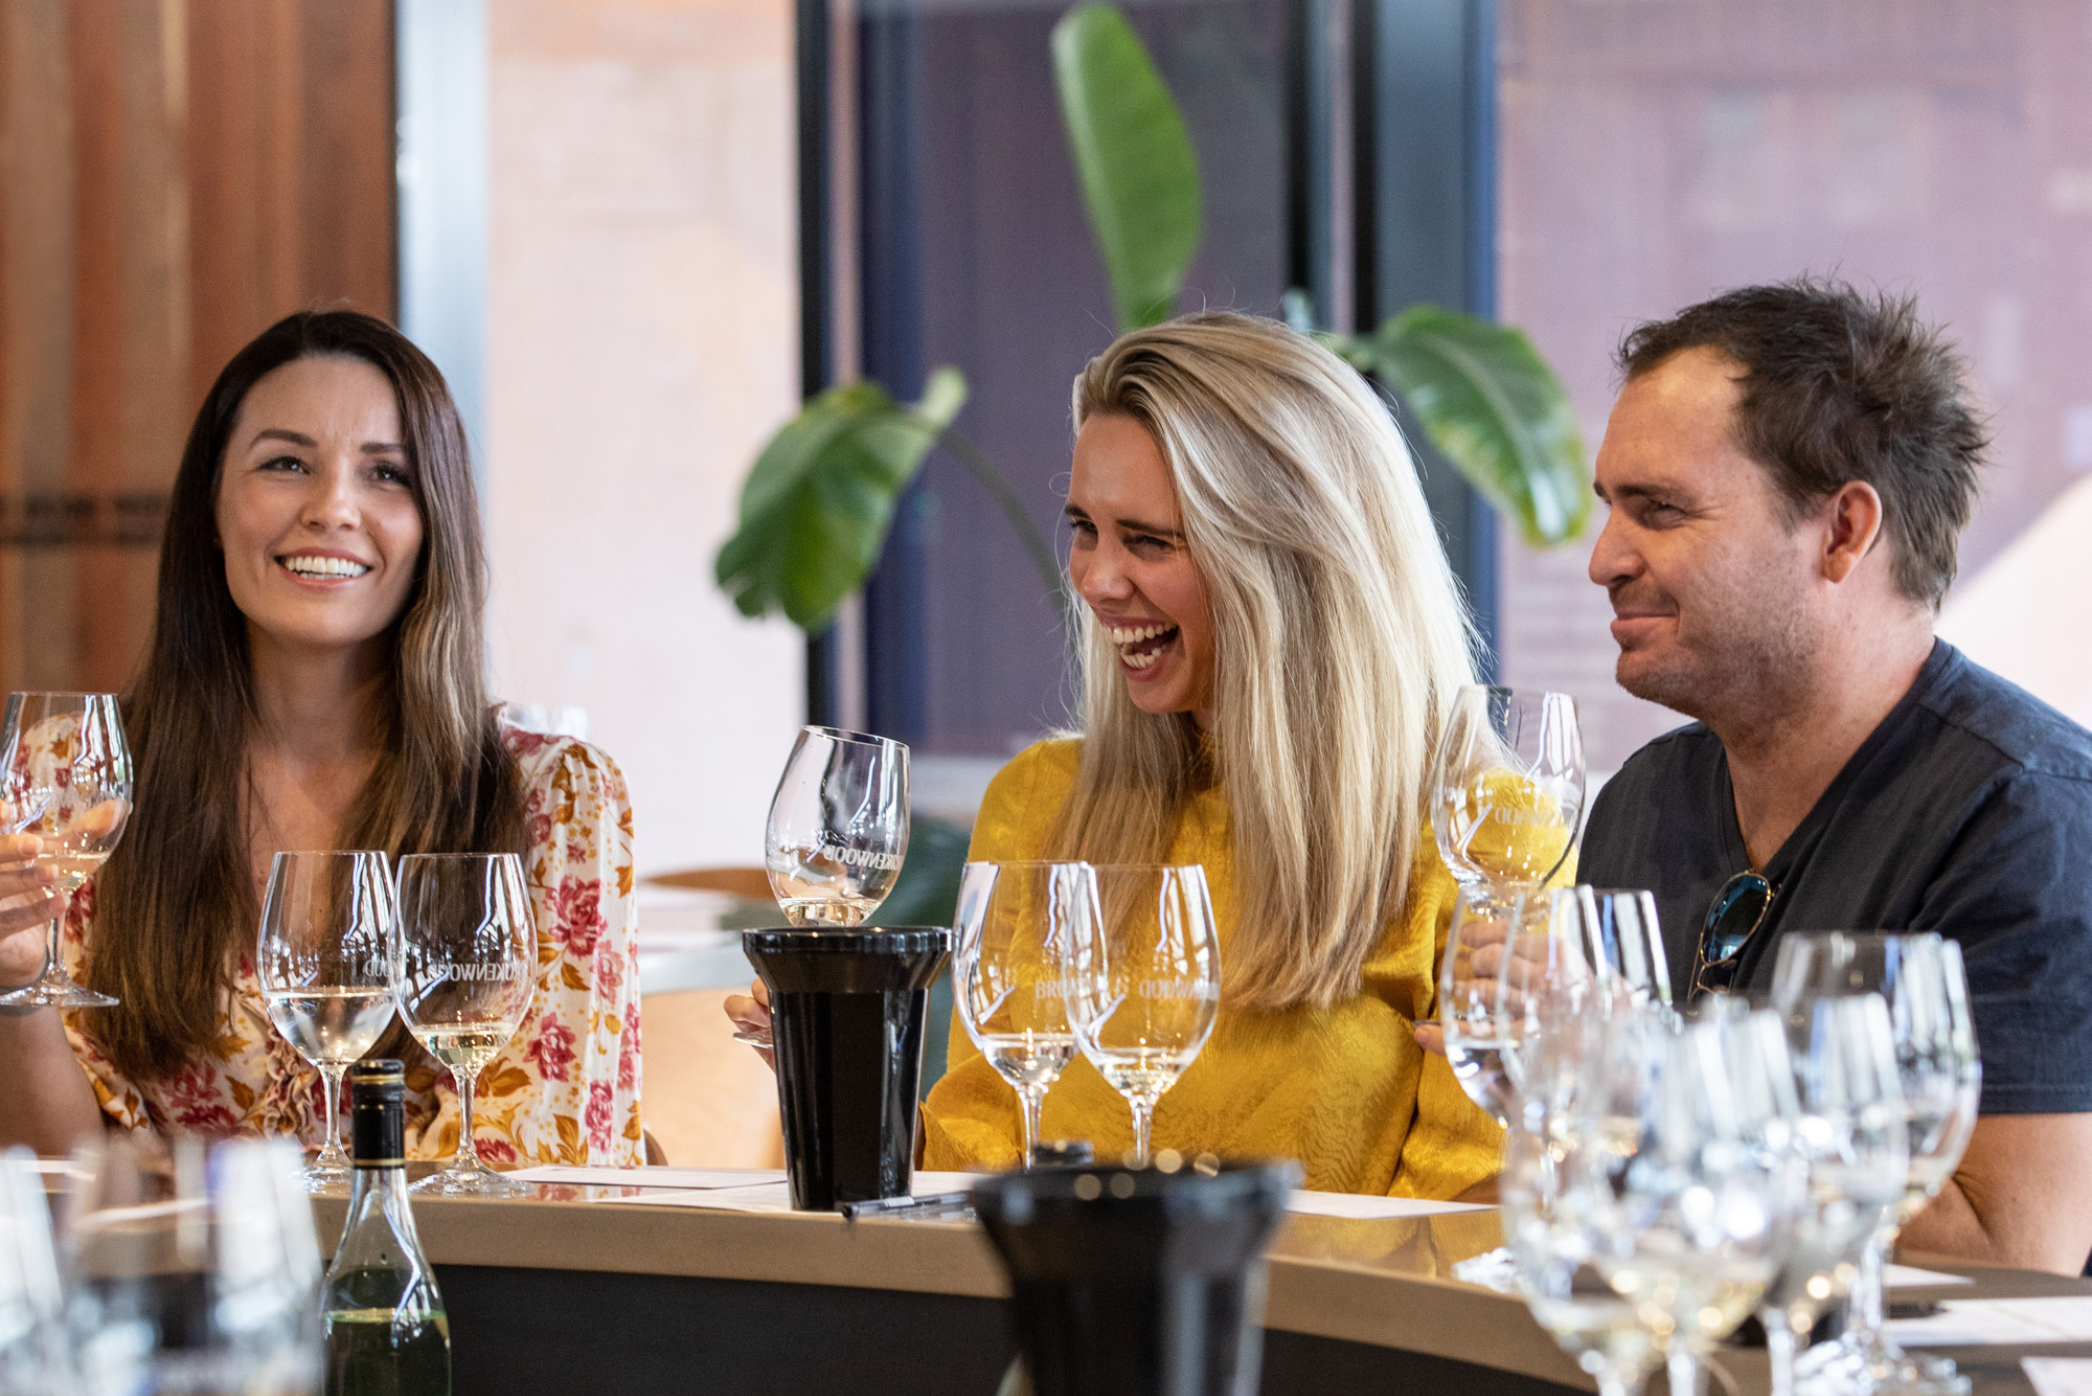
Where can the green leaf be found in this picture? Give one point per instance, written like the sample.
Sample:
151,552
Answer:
1139,174
816,506
1493,408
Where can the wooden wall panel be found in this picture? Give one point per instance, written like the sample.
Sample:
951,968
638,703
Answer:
174,176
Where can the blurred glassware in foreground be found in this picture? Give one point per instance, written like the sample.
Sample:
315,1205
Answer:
467,962
1680,1162
325,967
1010,975
208,1287
33,1356
1507,791
838,827
1145,971
1921,977
65,776
1850,1140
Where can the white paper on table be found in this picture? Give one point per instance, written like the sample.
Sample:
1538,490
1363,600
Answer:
649,1177
777,1197
2059,1376
1362,1206
1984,1322
1910,1277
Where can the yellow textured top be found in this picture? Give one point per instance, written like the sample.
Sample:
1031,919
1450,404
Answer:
1343,1089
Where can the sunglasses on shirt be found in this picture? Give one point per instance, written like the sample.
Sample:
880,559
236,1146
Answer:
1735,915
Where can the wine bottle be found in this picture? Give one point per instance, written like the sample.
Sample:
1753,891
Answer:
387,1334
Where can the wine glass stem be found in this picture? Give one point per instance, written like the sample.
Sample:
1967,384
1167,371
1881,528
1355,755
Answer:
331,1073
54,967
467,1159
1682,1366
1863,1316
1143,1120
1779,1349
1031,1102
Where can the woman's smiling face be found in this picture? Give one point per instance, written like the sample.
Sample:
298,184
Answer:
1129,563
316,511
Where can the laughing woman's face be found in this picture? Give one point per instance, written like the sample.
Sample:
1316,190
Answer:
1129,563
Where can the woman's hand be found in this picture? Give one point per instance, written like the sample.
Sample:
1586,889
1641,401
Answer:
751,1014
27,905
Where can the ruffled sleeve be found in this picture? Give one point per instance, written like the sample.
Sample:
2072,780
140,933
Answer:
566,1088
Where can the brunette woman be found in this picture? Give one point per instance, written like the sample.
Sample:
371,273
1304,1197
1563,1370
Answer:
314,681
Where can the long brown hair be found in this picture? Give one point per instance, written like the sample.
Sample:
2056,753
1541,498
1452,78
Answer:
176,899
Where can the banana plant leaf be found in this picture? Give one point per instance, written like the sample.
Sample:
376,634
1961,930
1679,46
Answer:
816,506
1492,406
1139,173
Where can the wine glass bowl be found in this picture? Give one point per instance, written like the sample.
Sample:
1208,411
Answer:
465,961
837,831
1507,789
1145,979
65,776
1010,975
325,966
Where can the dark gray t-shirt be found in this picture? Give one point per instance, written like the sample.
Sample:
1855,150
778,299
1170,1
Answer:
1967,812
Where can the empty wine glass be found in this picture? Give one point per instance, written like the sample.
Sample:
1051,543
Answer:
466,964
1010,974
1691,1181
325,966
1921,976
1851,1140
1507,791
838,827
1145,971
1619,931
33,1358
65,776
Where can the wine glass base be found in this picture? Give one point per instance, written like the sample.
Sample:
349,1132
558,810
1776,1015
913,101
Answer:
1844,1368
468,1182
55,989
327,1179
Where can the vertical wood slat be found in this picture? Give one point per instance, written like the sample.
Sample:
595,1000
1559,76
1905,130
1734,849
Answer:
174,176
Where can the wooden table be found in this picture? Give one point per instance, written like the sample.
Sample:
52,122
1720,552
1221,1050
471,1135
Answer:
575,1290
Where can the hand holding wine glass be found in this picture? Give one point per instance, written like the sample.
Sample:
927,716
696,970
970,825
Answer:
65,777
466,954
1145,964
325,966
1010,975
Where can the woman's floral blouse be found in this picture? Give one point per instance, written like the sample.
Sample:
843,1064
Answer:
565,1089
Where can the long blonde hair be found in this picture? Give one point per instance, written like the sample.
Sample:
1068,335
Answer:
1340,638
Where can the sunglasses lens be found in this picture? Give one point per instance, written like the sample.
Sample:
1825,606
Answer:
1736,912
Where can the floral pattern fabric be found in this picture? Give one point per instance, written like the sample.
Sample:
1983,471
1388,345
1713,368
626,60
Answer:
564,1090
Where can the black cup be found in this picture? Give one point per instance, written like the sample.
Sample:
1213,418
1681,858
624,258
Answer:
847,1011
1138,1282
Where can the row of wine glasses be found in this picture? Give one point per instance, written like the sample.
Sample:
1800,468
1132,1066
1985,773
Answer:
1661,1182
449,945
1120,962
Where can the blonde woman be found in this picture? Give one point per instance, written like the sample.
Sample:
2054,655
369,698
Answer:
1272,637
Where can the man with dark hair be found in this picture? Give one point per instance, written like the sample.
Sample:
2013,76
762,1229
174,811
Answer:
1789,468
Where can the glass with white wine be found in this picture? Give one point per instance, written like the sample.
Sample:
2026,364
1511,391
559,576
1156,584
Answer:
1010,975
466,956
838,827
325,966
65,776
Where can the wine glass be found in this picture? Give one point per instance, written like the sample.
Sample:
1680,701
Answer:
1690,1177
1507,791
65,775
32,1356
325,966
838,827
1145,976
465,966
1010,974
1851,1140
1921,976
1619,931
